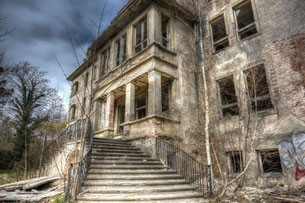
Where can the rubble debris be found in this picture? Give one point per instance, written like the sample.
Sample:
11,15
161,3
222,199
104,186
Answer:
24,190
40,182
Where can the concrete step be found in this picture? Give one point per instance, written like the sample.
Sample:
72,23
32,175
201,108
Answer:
129,151
192,200
130,167
137,189
133,171
133,177
134,182
111,141
96,144
117,162
97,147
120,158
140,197
109,154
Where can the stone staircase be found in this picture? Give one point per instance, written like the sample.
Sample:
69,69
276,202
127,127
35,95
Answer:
120,172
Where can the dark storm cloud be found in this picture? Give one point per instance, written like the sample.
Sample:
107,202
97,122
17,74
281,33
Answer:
41,31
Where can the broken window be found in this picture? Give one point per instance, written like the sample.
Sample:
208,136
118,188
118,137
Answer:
72,112
258,90
244,18
105,62
94,73
141,35
86,79
120,50
270,161
165,31
164,95
75,88
141,108
235,161
219,33
228,100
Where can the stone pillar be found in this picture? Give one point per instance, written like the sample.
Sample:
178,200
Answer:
109,110
129,106
97,115
154,93
154,21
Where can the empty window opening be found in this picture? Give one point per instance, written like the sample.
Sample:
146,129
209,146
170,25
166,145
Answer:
244,18
165,31
270,161
228,100
141,108
105,62
94,73
257,88
73,112
120,50
121,118
219,34
165,99
235,161
86,79
141,35
75,88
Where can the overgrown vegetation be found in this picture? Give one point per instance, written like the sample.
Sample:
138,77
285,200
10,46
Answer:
8,176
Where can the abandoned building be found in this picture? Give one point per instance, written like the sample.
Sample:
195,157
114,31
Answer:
142,78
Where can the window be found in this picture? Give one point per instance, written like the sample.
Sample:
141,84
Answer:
244,18
105,62
72,112
270,161
141,108
164,95
235,161
120,50
94,73
84,104
75,88
257,88
86,79
165,31
141,35
219,33
227,97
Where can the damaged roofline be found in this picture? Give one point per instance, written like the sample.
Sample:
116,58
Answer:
114,28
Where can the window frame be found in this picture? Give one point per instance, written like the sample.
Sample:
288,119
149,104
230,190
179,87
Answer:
144,41
260,162
221,106
255,17
120,55
140,108
74,90
230,164
105,65
72,115
260,98
168,31
226,29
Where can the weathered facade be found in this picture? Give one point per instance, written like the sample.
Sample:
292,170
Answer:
141,78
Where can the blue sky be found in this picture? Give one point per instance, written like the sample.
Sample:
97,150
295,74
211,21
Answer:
41,30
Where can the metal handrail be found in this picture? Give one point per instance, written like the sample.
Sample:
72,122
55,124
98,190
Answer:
196,173
78,172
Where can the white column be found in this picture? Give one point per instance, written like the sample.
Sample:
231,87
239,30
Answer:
154,93
130,102
109,110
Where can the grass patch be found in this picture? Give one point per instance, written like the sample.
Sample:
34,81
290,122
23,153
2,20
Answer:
59,199
8,176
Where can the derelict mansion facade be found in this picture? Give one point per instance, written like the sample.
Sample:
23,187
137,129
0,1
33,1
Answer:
143,77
